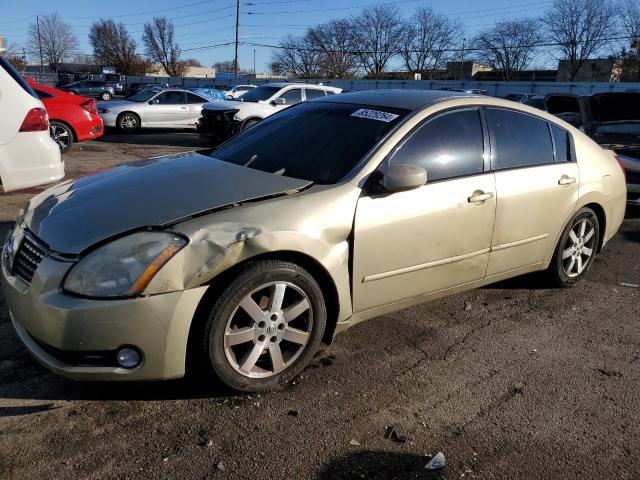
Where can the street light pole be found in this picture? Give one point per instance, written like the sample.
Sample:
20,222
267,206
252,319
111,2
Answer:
462,58
254,63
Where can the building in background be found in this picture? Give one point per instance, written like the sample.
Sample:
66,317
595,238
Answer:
595,70
194,72
3,47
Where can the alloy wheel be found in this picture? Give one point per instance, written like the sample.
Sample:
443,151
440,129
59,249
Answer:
579,248
128,122
60,135
268,330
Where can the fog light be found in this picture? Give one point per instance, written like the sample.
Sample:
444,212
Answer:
128,358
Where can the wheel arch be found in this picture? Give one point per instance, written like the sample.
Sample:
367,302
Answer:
218,283
251,119
602,221
131,112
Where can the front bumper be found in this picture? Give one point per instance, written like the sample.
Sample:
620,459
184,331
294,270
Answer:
67,334
218,125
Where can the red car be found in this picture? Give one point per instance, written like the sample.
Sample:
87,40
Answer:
71,118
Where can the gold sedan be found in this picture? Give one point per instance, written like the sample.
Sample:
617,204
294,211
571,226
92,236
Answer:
242,261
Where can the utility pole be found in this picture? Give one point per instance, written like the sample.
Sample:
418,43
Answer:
235,67
39,43
462,58
254,63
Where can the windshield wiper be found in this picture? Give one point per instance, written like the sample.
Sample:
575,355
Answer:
251,160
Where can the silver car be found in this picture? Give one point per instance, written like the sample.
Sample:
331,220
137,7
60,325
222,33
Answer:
171,108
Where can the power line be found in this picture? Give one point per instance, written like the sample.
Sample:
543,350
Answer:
149,12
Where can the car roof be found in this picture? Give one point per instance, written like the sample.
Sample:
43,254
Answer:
293,84
405,98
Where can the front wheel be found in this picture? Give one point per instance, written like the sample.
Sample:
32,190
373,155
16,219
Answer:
128,122
576,249
265,326
105,96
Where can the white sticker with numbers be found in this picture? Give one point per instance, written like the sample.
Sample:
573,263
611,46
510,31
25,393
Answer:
374,115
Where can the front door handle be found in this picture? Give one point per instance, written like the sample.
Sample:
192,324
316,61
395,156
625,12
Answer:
184,108
566,180
480,197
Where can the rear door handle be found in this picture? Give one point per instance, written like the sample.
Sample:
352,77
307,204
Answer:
566,180
479,196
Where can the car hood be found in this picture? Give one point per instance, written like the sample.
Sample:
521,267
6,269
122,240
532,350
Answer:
111,104
223,105
157,192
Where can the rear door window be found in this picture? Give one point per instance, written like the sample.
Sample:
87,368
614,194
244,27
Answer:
518,140
193,98
561,144
312,93
447,146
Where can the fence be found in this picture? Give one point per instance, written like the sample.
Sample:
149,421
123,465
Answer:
497,89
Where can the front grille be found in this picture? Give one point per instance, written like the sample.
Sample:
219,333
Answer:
27,259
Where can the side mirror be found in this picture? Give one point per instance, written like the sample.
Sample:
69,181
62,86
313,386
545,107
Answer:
155,101
278,101
401,177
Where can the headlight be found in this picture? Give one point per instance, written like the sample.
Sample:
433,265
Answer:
124,267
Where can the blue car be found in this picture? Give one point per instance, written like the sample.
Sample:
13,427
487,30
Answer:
210,93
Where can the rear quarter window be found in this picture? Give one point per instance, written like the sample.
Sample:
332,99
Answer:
561,144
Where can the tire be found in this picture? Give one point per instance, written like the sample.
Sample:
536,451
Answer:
249,123
128,122
249,342
576,249
106,96
62,134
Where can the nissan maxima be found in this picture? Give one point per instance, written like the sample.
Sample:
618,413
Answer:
240,262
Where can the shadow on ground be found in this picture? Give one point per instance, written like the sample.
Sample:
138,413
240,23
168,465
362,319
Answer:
157,137
374,465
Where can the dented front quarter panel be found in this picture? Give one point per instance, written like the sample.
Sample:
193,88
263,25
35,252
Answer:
316,223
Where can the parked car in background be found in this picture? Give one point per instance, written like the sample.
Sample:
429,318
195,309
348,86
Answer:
118,87
28,155
519,97
90,88
222,120
72,118
168,108
136,87
612,119
213,94
323,215
238,90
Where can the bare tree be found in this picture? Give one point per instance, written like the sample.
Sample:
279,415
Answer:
296,56
161,47
426,37
378,33
581,27
226,66
508,46
193,62
630,16
112,45
51,35
336,42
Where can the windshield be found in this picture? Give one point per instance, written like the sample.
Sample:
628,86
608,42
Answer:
316,141
143,96
260,93
628,127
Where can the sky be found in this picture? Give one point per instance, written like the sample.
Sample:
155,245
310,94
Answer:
202,24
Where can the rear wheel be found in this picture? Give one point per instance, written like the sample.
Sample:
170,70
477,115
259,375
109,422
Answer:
128,122
265,326
576,249
105,96
62,135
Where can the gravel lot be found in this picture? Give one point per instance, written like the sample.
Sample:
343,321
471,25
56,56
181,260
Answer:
529,382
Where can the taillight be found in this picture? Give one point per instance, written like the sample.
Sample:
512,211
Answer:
90,106
36,120
624,172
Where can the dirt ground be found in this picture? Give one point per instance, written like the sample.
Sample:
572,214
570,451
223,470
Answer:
513,381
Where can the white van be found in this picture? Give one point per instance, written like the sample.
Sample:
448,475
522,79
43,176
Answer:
28,155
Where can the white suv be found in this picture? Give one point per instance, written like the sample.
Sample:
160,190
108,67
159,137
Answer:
28,155
222,120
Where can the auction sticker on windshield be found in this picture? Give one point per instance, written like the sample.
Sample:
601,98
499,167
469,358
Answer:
374,115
